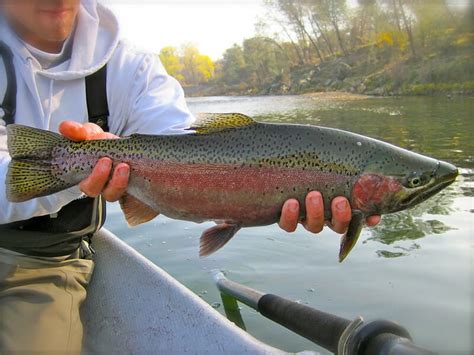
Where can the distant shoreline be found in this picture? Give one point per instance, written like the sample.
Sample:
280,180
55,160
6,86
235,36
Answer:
327,95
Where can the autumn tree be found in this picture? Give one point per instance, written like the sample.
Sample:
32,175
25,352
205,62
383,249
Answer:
187,65
197,68
172,62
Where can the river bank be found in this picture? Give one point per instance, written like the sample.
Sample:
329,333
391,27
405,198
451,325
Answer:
368,71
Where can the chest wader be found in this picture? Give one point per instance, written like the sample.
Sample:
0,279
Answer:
60,233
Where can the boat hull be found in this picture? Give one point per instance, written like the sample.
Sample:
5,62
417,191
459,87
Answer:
135,307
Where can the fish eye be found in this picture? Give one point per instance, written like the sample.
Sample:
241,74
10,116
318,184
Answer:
414,181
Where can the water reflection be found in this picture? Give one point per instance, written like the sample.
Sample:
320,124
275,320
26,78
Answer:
413,224
404,226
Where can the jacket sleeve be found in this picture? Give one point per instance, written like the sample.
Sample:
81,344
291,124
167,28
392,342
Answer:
152,103
12,212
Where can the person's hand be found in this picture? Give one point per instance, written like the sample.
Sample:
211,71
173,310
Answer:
101,181
314,222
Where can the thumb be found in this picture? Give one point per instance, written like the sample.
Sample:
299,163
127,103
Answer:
73,130
79,132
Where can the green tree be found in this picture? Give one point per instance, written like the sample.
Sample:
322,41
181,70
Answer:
233,65
297,12
263,60
333,12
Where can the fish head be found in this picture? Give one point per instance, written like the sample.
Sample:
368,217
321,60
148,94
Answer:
399,179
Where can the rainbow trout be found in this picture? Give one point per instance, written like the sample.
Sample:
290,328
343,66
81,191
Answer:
234,171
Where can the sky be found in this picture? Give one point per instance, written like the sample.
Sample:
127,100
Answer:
213,25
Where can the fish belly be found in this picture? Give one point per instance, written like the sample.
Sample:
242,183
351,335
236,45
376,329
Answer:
244,194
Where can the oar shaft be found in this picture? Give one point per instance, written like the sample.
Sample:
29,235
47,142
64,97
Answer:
244,294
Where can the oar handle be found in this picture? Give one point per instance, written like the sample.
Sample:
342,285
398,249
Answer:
338,335
320,327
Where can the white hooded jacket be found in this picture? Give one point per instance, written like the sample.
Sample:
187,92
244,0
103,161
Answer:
142,98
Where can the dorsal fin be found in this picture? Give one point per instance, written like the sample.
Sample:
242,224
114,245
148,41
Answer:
216,122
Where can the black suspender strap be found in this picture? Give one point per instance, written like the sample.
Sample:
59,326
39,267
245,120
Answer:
8,104
96,94
59,234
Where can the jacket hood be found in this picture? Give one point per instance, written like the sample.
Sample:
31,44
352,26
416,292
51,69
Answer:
96,37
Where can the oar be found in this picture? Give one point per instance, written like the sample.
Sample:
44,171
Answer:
336,334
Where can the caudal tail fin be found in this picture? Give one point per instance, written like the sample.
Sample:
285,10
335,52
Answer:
30,170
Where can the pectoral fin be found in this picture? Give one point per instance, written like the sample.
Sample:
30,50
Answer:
349,239
136,212
216,237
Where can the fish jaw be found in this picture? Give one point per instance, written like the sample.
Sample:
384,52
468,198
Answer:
375,193
443,176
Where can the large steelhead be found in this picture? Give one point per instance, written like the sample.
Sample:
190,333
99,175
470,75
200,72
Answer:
234,171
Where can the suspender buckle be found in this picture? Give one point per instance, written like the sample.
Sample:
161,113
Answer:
86,249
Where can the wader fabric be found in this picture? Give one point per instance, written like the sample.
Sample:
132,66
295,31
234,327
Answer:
40,300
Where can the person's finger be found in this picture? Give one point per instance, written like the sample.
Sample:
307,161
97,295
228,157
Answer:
92,129
73,130
314,221
117,186
341,214
289,215
94,184
372,221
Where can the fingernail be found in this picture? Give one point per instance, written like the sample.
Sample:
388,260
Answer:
74,124
105,165
342,205
293,207
314,201
123,171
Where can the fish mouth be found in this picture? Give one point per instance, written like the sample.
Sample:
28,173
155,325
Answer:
443,176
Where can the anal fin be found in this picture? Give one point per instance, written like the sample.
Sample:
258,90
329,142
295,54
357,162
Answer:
136,212
216,237
349,239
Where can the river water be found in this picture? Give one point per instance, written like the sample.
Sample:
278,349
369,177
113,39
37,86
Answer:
415,268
